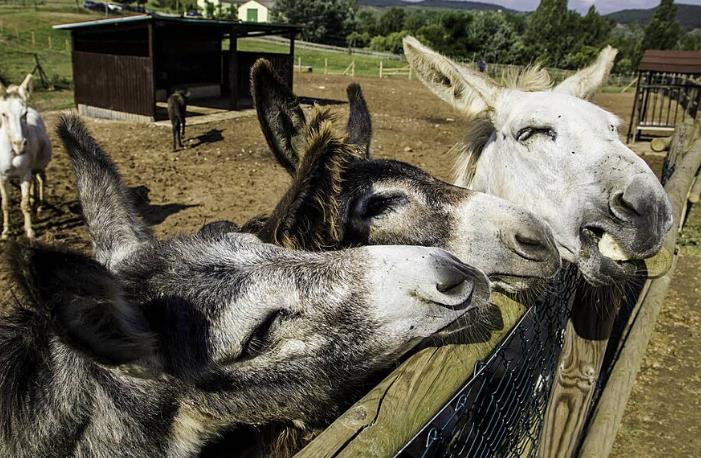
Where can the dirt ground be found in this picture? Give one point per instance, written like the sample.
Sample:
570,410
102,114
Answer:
227,172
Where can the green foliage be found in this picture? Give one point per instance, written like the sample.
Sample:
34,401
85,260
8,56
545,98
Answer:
391,43
324,21
392,21
663,31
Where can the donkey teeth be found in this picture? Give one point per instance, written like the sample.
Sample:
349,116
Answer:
610,248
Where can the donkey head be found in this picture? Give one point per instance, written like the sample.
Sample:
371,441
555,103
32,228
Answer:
13,113
341,197
558,155
257,327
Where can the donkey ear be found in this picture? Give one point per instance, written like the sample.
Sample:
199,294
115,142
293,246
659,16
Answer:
280,116
359,128
27,87
468,91
308,217
86,307
587,81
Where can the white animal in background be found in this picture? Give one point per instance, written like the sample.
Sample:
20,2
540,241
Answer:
25,150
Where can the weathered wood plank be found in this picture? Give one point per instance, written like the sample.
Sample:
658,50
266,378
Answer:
609,411
395,410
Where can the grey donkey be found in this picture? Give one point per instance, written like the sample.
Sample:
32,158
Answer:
155,346
341,197
177,113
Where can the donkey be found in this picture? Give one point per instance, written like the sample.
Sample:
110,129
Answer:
25,151
558,155
177,113
155,346
340,197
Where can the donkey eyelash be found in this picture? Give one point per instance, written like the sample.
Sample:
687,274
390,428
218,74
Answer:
527,132
259,338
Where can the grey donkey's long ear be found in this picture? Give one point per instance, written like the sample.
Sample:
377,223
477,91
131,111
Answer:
307,216
359,128
109,212
280,116
588,80
468,91
85,305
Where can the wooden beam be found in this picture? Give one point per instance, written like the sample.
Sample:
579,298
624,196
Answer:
385,419
609,412
583,351
233,72
152,64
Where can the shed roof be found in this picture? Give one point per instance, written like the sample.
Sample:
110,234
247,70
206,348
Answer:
242,28
671,61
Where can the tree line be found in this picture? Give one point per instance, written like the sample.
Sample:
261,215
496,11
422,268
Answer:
552,35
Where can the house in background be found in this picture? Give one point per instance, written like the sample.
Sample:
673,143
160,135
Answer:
255,11
210,8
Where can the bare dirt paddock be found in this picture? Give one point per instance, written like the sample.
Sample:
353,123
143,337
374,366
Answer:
227,172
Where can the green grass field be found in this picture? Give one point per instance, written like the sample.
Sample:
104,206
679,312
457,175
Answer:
25,32
337,61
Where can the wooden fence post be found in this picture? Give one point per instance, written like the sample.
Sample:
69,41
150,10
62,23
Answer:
326,66
299,64
68,48
353,67
50,43
380,69
33,40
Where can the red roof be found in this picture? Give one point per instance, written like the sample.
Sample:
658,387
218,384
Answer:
672,61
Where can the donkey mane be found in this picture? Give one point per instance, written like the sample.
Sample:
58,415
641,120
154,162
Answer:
467,152
532,78
326,157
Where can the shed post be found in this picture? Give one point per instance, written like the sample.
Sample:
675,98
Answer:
152,66
290,76
233,71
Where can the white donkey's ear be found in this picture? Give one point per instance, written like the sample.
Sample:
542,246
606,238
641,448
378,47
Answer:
27,87
587,81
468,91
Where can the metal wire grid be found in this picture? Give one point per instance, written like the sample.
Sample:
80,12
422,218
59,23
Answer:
500,411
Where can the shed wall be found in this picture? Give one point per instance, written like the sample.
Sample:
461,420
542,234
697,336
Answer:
115,82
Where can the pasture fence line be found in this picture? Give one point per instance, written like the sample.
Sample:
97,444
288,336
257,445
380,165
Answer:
547,380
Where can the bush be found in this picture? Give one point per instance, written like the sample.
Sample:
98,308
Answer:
391,43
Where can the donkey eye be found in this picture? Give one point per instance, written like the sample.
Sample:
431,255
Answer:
527,132
382,203
259,340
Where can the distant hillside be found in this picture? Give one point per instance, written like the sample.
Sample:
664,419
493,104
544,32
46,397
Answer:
689,16
445,4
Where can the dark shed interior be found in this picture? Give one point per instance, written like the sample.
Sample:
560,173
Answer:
122,67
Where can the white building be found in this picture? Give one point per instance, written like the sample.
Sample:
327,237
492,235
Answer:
255,11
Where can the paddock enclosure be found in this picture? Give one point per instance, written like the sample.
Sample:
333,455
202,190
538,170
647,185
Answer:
124,67
227,172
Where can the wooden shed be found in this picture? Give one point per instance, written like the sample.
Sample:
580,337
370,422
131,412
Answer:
123,67
668,92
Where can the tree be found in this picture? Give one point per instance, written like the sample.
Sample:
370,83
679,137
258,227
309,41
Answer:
392,21
663,31
551,32
324,21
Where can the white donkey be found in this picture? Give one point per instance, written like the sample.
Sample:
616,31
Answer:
25,150
557,155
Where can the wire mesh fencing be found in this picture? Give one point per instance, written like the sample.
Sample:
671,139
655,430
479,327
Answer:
500,410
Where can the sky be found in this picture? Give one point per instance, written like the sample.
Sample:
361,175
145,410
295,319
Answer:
603,6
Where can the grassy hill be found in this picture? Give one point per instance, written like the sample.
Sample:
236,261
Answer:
443,4
689,16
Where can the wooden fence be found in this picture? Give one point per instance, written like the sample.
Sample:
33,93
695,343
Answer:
393,412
